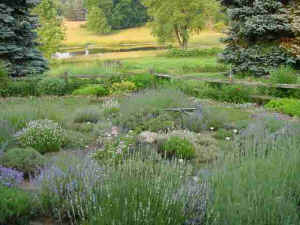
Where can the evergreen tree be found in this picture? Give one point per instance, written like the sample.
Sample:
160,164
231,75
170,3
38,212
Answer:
51,30
18,47
258,28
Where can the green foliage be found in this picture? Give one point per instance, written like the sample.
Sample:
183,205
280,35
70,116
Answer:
224,93
287,106
15,206
262,190
51,86
193,52
18,46
248,49
122,87
142,191
283,75
51,31
26,160
42,135
176,19
177,147
97,21
120,14
128,13
3,76
142,81
6,133
89,114
97,90
140,111
222,134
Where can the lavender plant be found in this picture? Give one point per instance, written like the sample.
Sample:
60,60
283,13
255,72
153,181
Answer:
66,186
42,135
10,177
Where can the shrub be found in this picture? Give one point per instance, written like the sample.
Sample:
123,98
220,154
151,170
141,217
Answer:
10,177
287,106
15,206
51,86
75,83
233,93
283,75
97,90
89,114
123,87
76,140
206,147
25,160
177,147
20,88
42,135
142,81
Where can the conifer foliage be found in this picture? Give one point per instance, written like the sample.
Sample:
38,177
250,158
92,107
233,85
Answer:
257,32
18,48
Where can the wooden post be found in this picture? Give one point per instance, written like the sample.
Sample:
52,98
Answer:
66,78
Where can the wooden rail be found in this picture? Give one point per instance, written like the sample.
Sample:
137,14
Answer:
220,81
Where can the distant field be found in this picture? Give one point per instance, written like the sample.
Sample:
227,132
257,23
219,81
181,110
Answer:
77,35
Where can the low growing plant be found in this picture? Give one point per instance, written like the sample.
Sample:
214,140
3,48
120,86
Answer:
123,87
26,160
96,90
283,75
42,135
89,114
257,191
15,206
10,177
51,86
177,147
287,106
137,111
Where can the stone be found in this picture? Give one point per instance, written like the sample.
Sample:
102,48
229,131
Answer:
148,137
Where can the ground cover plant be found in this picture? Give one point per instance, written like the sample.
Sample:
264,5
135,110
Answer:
153,153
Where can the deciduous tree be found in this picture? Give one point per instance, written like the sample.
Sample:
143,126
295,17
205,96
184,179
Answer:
176,19
51,31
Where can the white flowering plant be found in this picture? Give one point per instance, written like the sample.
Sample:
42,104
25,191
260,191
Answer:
42,135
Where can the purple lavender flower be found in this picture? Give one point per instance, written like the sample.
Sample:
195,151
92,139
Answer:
10,177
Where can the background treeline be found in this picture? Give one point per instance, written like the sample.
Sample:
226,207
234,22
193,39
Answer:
118,14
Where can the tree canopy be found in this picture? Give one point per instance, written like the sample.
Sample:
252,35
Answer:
51,30
176,19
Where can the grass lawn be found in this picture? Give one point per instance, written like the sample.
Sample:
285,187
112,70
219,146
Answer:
189,65
77,35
